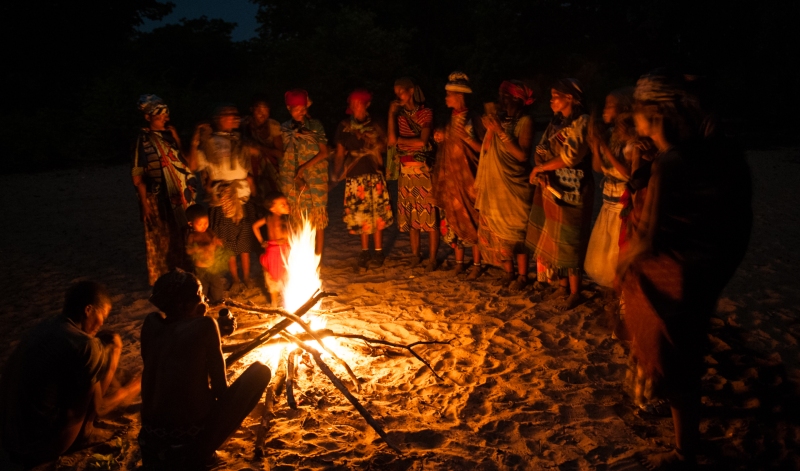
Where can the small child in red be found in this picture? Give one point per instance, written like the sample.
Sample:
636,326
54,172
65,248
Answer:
277,246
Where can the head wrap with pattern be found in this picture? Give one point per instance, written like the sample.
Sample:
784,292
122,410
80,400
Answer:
570,86
152,105
360,95
297,97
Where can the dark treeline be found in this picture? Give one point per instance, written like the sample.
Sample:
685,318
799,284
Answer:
74,70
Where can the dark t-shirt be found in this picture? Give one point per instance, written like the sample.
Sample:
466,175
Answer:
51,371
364,142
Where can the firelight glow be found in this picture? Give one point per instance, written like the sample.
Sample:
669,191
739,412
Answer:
302,268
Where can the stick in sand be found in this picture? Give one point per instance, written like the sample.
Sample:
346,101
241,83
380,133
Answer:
290,378
341,387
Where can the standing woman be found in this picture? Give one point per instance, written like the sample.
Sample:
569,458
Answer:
360,144
304,166
561,214
409,133
454,174
612,154
263,133
503,196
166,187
693,233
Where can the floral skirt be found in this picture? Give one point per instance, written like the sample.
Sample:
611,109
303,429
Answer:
366,204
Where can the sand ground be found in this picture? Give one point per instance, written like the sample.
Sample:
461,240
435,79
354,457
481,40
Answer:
523,386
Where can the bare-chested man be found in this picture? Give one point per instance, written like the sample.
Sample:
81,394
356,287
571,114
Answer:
58,380
188,409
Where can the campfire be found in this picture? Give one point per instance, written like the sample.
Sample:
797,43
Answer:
301,329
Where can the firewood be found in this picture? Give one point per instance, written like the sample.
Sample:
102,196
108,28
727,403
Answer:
341,387
265,425
283,324
290,378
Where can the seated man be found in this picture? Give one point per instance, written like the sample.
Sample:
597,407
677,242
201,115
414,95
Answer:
57,381
188,409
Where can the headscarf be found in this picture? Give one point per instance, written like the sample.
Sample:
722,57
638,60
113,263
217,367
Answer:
408,82
152,105
173,289
359,95
458,82
518,90
297,97
570,86
658,86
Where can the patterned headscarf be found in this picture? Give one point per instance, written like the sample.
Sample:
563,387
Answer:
458,82
174,289
518,90
360,95
152,105
658,87
408,82
570,86
297,97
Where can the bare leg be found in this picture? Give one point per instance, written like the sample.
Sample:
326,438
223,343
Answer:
574,297
460,255
320,241
378,239
433,245
245,257
365,242
233,269
522,264
414,235
476,254
686,420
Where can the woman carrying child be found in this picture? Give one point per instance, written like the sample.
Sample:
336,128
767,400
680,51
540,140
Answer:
360,144
165,185
226,161
273,261
410,160
503,196
561,214
454,174
304,166
612,154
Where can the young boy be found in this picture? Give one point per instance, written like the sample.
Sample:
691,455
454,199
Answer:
205,250
277,247
188,408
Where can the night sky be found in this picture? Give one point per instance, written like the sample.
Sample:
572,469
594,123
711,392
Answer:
241,12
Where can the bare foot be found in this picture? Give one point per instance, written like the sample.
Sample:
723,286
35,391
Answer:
459,268
504,280
519,284
672,460
415,260
474,272
572,301
431,266
560,292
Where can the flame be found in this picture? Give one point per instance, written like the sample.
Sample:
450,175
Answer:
302,268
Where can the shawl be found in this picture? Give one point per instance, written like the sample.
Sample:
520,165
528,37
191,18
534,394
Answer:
503,194
165,166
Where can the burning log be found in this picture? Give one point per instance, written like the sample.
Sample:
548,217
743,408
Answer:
283,324
251,308
290,378
341,387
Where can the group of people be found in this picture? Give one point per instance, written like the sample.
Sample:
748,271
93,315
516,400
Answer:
672,229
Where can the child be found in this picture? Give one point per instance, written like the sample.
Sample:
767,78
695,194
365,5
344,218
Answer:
277,247
205,249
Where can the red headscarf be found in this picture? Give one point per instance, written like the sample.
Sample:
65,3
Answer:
359,95
518,90
296,97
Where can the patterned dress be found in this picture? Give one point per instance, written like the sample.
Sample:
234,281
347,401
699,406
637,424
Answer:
171,188
366,199
416,207
264,167
559,226
301,142
503,197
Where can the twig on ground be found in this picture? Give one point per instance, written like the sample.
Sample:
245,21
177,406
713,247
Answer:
341,387
290,378
408,347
